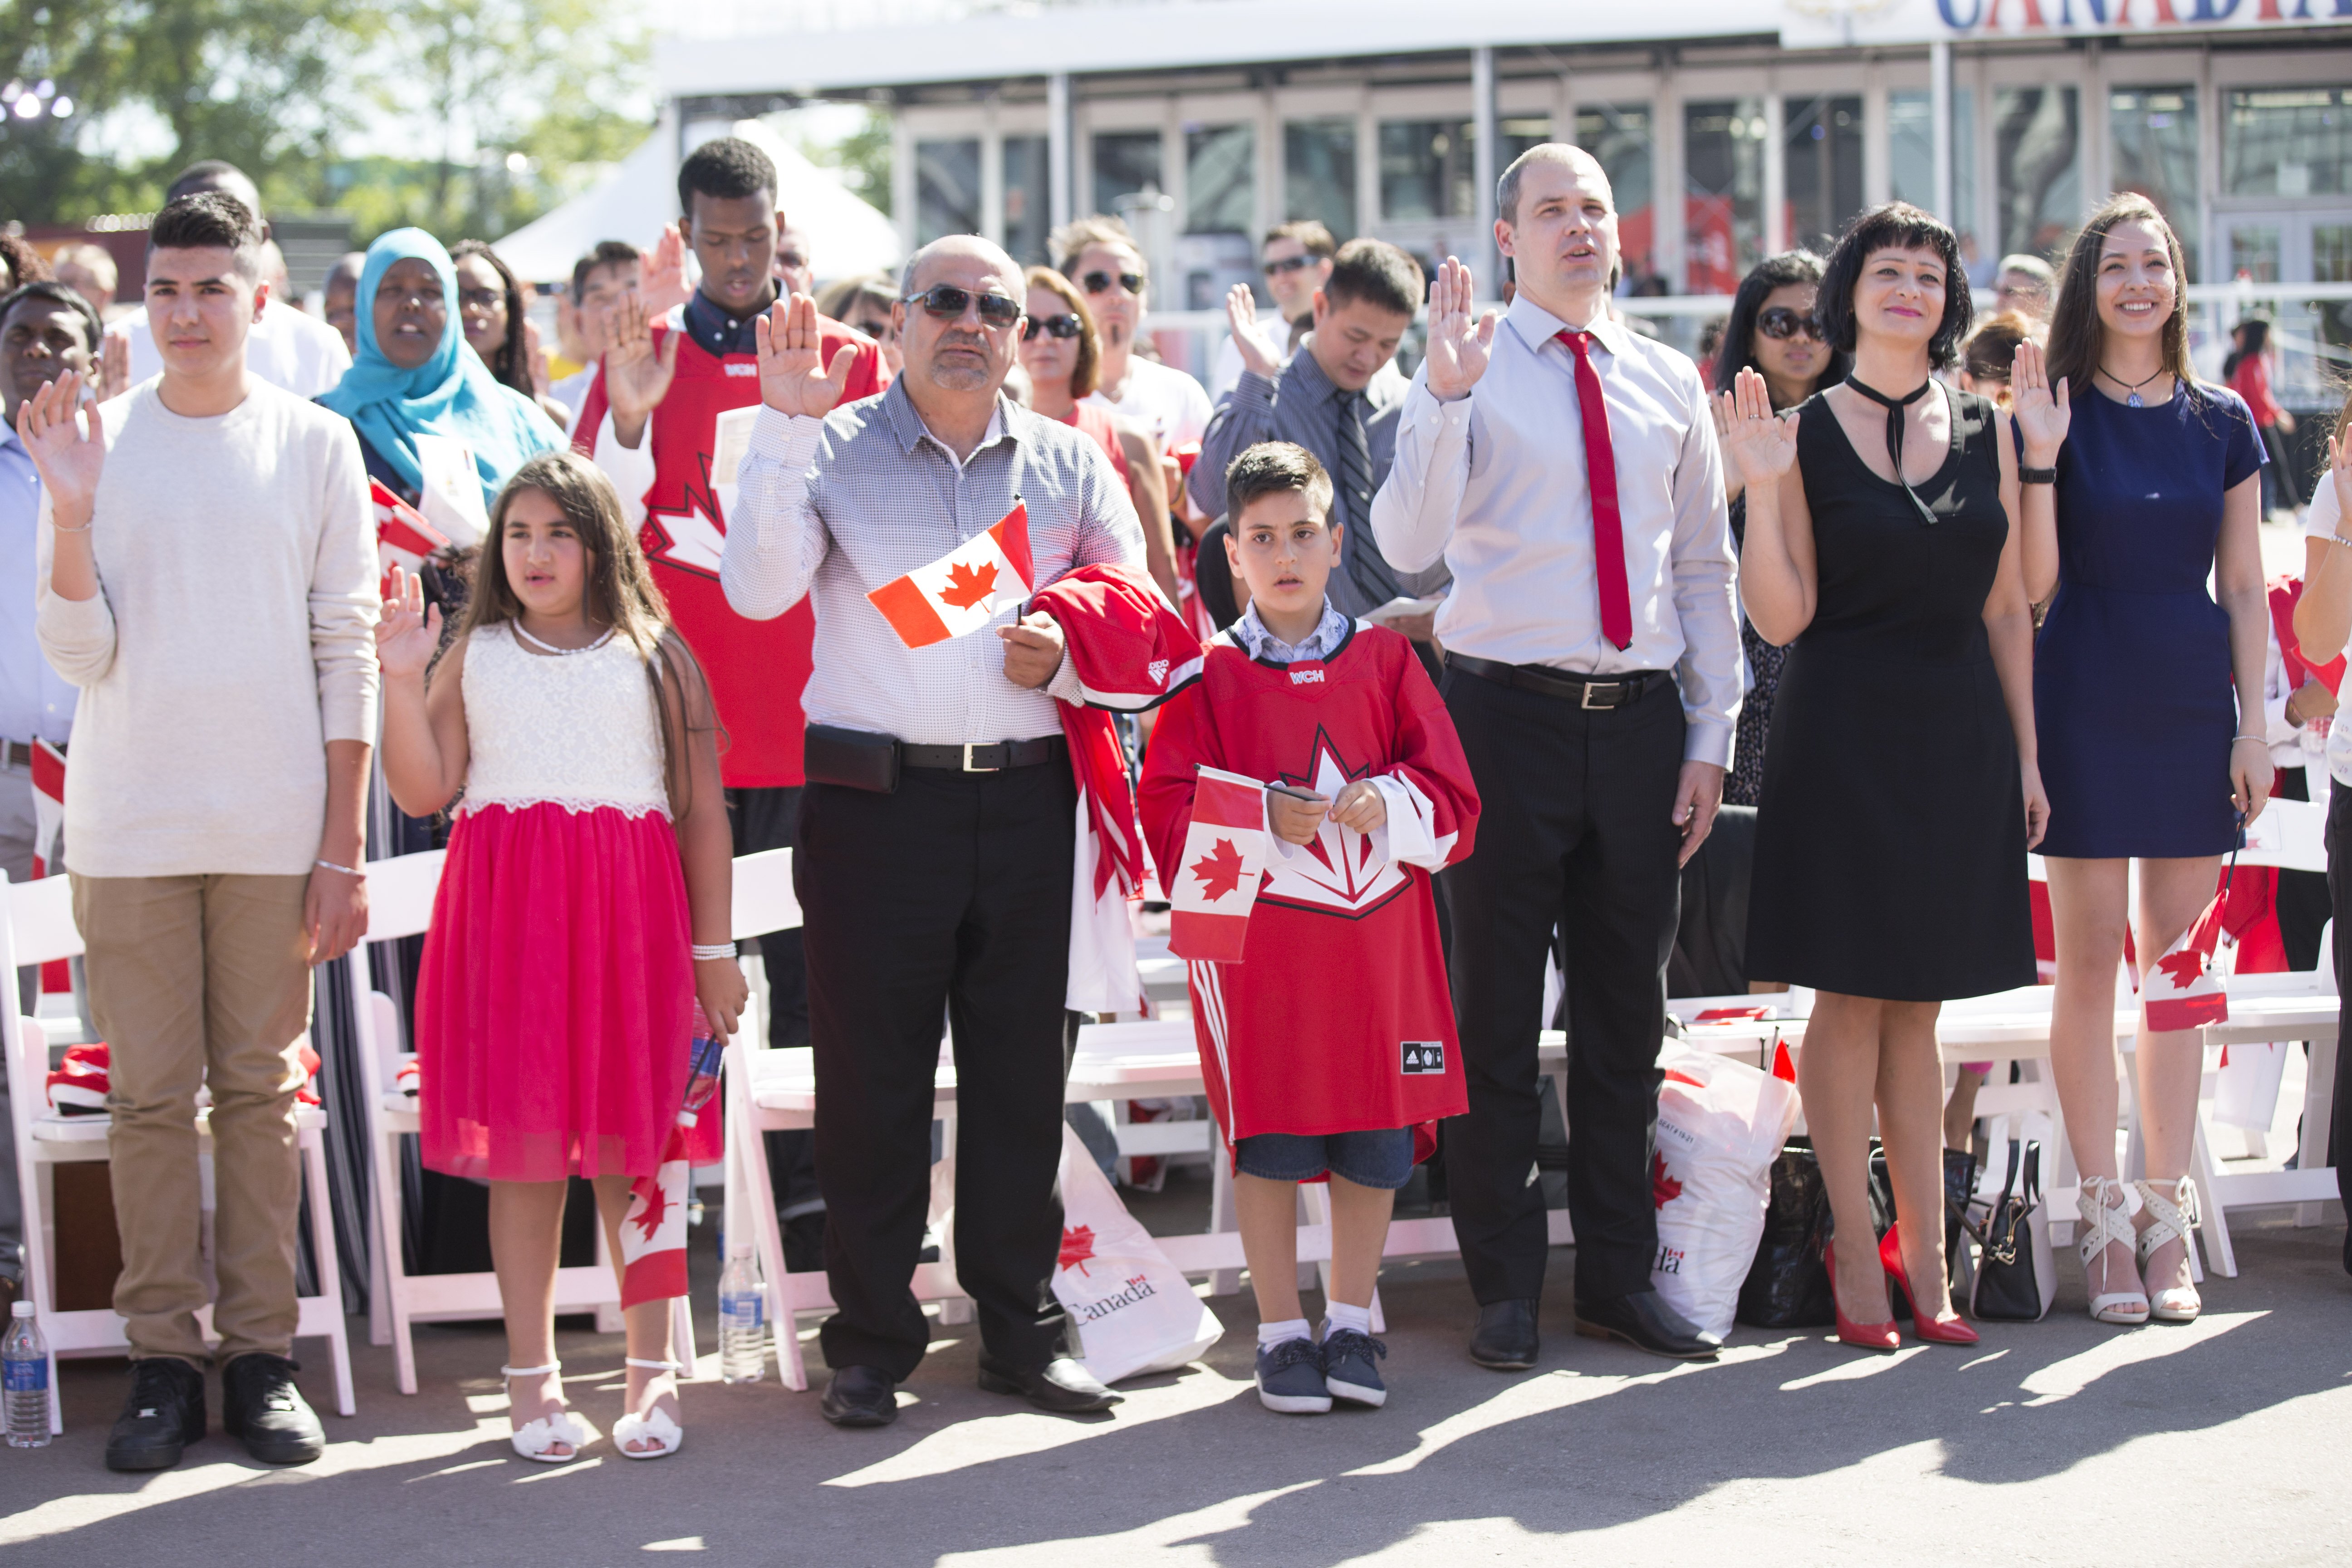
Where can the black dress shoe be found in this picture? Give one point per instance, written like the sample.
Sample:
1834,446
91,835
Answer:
1643,1321
1061,1385
860,1396
1505,1338
164,1415
260,1404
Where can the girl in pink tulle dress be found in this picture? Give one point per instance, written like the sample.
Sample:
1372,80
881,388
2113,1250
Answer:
584,910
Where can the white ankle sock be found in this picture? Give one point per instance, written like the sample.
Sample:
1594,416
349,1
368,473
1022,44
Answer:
1339,1315
1272,1334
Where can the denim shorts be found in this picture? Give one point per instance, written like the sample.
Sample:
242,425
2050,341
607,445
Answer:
1377,1159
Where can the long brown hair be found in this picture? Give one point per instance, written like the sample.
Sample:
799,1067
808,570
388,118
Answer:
619,594
1086,374
2077,338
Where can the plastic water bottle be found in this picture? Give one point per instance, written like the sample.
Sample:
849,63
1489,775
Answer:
24,1371
743,1311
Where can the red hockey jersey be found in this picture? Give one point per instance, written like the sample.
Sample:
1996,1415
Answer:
757,668
1337,1019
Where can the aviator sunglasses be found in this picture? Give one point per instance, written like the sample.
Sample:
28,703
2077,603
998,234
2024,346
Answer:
1062,326
948,303
1781,322
1100,282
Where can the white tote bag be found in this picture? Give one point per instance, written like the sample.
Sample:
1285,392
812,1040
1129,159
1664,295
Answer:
1720,1125
1130,1310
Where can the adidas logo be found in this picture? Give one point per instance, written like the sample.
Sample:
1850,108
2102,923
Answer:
1158,671
1423,1056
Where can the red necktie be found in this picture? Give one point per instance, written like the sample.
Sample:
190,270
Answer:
1601,478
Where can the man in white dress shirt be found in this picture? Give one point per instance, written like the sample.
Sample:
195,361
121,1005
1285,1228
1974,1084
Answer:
1566,470
289,348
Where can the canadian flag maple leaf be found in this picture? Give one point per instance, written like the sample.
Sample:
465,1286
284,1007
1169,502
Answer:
1220,870
2184,968
656,1208
1077,1247
1664,1189
967,586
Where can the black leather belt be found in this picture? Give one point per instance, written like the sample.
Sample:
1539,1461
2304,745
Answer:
995,757
1584,690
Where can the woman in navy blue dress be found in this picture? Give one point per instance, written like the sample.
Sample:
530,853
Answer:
2143,751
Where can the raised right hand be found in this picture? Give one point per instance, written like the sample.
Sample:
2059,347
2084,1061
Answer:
68,461
1259,355
2042,411
794,378
661,274
1458,345
636,378
410,631
1761,444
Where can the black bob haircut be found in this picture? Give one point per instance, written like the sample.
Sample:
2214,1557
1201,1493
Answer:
726,169
208,220
1896,226
58,293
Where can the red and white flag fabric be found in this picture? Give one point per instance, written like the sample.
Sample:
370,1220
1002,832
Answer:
1212,888
652,1236
403,537
2183,989
963,590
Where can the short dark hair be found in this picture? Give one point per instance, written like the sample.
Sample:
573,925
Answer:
1377,273
725,169
205,220
58,293
1736,351
1307,232
1895,226
1275,467
608,253
206,175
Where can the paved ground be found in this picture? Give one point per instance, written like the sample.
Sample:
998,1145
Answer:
2062,1442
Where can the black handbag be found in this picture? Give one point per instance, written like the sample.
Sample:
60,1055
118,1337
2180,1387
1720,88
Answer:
2016,1279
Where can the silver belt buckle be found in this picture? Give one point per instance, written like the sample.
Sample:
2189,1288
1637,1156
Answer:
1611,686
972,767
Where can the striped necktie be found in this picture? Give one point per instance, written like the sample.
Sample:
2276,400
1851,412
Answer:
1363,564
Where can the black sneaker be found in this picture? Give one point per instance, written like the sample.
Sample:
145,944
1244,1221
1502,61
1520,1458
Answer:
1348,1369
164,1415
260,1404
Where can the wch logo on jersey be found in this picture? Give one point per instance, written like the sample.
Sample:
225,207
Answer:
1423,1056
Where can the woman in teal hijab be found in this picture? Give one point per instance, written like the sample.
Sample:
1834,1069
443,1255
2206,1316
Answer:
414,374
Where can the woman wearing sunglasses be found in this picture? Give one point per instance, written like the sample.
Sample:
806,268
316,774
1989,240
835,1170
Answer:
1772,332
1099,255
1063,354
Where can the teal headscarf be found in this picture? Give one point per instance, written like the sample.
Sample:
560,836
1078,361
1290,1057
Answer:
453,394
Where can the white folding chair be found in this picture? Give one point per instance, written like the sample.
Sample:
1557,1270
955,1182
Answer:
39,928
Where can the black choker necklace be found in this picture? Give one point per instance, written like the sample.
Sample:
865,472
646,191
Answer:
1895,408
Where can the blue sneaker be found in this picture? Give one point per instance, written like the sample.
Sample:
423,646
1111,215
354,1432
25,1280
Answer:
1347,1369
1290,1379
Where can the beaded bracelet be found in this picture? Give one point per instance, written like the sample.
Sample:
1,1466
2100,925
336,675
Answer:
346,870
703,949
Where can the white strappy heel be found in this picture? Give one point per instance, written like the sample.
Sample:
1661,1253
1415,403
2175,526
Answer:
655,1423
2102,1223
2172,1207
533,1439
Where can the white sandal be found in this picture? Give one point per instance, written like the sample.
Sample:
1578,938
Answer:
532,1439
2172,1207
655,1423
2102,1223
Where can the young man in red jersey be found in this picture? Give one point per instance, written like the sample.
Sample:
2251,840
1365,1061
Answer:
650,420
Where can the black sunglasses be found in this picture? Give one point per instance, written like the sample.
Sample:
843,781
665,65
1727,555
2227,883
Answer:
1099,282
1781,322
948,302
1064,326
1288,264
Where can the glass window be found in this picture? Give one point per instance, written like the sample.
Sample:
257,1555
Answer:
2255,252
2287,142
1618,134
1126,162
1028,203
2037,166
2153,133
947,188
1220,179
1425,169
1821,165
1723,154
1318,170
1517,134
1911,159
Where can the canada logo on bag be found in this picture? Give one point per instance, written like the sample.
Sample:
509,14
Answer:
1136,1289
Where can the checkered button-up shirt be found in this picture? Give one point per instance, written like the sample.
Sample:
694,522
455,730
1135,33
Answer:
837,507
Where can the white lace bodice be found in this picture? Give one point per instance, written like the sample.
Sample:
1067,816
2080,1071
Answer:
578,731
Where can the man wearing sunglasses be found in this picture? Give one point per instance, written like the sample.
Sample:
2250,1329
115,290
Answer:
1295,259
1101,257
935,847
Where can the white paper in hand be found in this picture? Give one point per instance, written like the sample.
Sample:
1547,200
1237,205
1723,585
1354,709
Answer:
730,442
452,490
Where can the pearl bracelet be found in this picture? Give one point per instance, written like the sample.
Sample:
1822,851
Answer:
2331,539
2257,740
703,949
346,870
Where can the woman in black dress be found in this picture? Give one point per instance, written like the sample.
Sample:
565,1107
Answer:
1900,789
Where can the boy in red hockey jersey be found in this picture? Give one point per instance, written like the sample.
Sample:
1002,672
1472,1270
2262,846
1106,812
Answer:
1330,1048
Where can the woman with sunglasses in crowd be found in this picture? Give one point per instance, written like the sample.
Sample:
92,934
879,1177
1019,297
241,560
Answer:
1773,331
1099,255
1062,354
493,308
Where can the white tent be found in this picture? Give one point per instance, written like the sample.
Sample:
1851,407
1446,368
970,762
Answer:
846,236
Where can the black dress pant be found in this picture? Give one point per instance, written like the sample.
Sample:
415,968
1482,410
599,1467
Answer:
949,899
1575,831
2339,890
764,819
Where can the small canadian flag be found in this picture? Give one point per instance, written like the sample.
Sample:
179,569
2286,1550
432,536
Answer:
653,1234
963,590
1211,891
2183,991
403,537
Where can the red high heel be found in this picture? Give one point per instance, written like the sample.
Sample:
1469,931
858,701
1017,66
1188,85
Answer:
1949,1330
1862,1336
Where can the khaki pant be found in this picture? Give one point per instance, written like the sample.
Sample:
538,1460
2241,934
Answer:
193,981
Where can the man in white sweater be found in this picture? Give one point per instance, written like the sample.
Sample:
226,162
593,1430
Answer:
208,579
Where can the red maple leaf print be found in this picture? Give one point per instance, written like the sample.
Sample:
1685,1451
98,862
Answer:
1220,870
656,1209
967,587
1664,1189
1077,1246
2184,968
